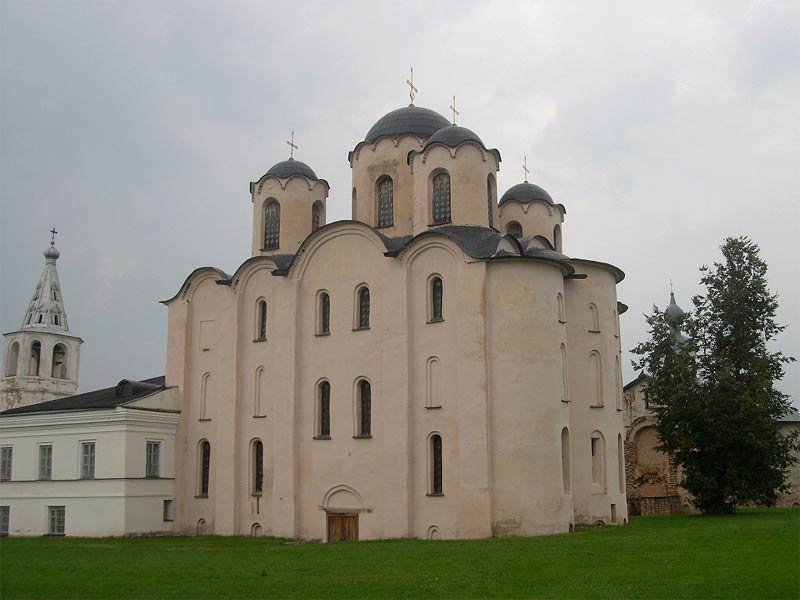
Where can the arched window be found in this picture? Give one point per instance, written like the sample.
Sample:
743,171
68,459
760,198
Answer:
490,199
261,320
515,229
255,530
616,323
594,318
437,292
353,206
35,359
598,460
362,317
441,199
272,225
54,291
59,368
385,194
565,464
620,464
202,529
12,360
316,216
258,387
557,238
204,470
364,409
435,484
323,314
562,314
595,379
323,411
432,383
617,382
564,376
204,383
257,462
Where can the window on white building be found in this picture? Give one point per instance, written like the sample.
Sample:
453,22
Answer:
87,460
5,514
153,460
6,455
45,462
168,510
56,520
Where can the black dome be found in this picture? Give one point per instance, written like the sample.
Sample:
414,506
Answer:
452,136
526,192
290,167
422,122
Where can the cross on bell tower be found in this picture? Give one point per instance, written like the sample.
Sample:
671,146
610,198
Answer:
53,236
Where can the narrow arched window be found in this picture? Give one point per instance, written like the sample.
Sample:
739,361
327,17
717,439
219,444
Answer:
515,229
364,409
620,464
437,291
565,461
261,320
490,199
35,359
432,383
257,461
316,216
324,410
363,308
385,193
56,320
354,206
618,382
258,388
12,360
436,465
598,460
441,199
594,318
272,225
205,468
204,383
595,379
562,315
324,323
59,368
564,377
557,238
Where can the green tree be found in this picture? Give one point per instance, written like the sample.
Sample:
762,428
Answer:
714,393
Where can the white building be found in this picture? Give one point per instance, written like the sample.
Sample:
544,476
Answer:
95,464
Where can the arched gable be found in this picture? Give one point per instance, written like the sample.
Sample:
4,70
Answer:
194,279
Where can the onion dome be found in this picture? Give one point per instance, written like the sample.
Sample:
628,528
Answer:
287,168
673,313
422,122
452,136
526,192
52,252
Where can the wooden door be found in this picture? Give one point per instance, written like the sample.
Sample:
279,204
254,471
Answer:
342,527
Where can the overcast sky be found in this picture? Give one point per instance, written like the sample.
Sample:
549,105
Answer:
134,128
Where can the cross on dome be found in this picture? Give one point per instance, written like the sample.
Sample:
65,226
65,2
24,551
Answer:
292,146
453,108
412,91
525,168
53,237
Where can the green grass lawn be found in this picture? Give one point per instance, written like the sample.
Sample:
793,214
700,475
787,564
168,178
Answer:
754,554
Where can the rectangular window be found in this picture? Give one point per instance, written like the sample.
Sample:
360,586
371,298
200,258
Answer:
5,463
168,508
153,466
87,460
5,515
45,462
56,518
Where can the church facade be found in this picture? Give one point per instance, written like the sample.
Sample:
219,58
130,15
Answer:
435,367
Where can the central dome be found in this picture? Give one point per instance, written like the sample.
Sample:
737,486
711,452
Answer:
422,122
287,168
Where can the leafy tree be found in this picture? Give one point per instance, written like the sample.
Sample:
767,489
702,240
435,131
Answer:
714,393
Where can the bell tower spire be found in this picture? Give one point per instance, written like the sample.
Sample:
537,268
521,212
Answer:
41,358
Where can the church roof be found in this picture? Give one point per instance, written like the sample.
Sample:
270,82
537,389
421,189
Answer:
46,309
526,192
124,392
452,136
287,168
416,120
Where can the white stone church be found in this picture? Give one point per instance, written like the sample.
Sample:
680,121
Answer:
436,367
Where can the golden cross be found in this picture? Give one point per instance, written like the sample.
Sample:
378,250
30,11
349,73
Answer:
525,168
292,145
412,90
53,238
453,108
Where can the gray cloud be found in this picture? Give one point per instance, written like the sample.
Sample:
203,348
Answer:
135,129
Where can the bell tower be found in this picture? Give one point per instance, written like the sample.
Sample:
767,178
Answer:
41,359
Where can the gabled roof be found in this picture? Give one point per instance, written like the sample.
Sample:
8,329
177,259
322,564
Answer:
125,392
639,378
